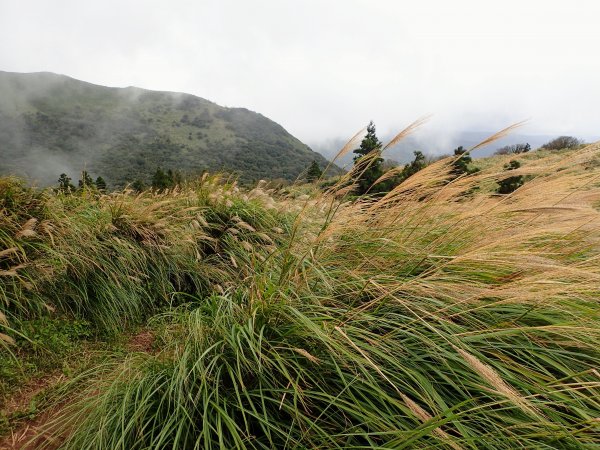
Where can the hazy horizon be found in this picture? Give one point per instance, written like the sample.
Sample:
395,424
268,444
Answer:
323,70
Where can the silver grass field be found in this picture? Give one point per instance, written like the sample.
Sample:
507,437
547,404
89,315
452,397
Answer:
437,316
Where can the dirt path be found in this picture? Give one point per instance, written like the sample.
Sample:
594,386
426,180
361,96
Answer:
22,402
29,436
28,433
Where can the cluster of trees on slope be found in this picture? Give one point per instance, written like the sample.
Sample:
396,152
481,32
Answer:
369,168
563,142
86,182
514,149
161,180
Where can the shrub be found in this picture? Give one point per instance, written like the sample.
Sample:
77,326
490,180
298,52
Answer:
563,142
510,184
514,149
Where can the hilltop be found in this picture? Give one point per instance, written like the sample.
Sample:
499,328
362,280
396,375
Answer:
50,124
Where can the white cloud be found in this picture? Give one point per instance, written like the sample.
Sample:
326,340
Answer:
323,69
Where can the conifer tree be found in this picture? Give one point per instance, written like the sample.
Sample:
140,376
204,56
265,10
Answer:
101,184
64,184
86,182
460,166
417,164
138,185
175,178
166,180
367,171
160,180
314,172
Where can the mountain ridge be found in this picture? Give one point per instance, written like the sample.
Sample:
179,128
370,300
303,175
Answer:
52,124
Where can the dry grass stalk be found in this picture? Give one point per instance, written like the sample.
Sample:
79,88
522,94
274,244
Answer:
350,145
494,380
245,226
247,246
264,237
499,135
8,252
407,131
416,409
7,339
28,229
424,416
8,273
307,355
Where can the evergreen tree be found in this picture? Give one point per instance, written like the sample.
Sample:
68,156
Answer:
417,164
138,186
175,178
314,172
510,184
160,180
367,172
101,184
86,182
460,166
64,184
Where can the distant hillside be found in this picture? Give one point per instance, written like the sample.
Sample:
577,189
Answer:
50,124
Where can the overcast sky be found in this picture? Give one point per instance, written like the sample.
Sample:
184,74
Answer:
324,68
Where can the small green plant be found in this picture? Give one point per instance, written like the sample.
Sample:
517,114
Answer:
41,345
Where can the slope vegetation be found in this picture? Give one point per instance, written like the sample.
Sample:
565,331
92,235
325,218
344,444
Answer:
50,124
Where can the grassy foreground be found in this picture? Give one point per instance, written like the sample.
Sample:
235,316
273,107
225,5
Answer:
437,316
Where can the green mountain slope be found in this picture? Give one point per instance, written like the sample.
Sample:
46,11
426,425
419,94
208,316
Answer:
50,124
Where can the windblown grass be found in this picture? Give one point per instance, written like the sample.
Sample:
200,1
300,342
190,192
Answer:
115,259
433,317
112,261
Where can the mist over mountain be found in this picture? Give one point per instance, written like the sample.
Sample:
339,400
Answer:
52,124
